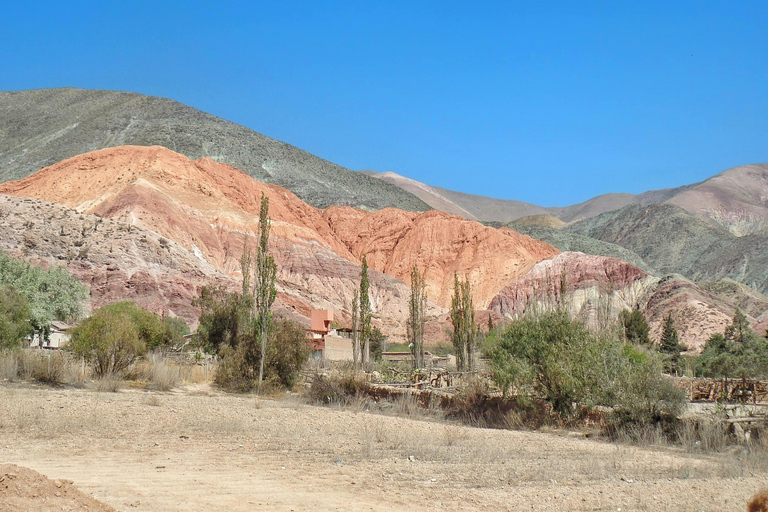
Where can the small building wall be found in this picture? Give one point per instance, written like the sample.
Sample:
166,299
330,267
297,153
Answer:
337,348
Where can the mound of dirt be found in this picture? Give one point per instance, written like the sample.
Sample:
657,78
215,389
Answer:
22,489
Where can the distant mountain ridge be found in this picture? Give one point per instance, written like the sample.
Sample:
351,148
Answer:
736,198
39,128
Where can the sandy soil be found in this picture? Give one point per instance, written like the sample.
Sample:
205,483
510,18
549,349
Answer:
200,450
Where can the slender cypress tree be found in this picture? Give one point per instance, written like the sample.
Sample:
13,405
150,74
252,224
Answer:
416,318
670,344
464,327
356,329
264,291
365,312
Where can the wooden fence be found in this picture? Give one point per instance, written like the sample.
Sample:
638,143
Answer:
745,391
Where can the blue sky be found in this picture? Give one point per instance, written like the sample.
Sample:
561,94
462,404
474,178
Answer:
550,103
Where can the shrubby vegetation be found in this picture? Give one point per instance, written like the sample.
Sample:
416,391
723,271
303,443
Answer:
227,330
53,294
114,336
738,353
635,327
14,318
557,358
49,295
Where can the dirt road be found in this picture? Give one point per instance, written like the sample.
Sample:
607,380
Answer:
200,450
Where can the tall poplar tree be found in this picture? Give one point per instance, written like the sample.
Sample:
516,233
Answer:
416,318
365,312
264,291
464,327
356,329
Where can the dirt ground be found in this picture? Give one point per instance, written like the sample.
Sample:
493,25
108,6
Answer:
200,450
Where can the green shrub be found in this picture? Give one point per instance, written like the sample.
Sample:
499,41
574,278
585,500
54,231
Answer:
14,318
287,353
558,359
114,336
739,353
175,330
232,372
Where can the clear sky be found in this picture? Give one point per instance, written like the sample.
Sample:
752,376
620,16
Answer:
550,103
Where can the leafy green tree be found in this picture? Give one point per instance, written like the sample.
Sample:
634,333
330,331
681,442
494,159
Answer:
222,317
114,336
635,327
14,318
557,358
465,331
417,318
739,329
378,343
738,352
669,344
365,312
52,294
175,330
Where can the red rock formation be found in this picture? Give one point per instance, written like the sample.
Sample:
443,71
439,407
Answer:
209,208
440,245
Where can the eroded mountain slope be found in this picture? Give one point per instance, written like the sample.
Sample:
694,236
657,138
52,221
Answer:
210,209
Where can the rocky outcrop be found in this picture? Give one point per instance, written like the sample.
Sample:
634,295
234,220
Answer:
116,260
439,245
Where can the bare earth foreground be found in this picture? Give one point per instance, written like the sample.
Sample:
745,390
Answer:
199,450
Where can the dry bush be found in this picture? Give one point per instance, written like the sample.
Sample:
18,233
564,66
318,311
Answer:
641,434
9,365
109,382
473,406
336,390
50,367
406,405
452,435
703,434
45,366
140,371
165,375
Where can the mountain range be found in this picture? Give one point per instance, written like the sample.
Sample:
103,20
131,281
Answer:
134,219
42,127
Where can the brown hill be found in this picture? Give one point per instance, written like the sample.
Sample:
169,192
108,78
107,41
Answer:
541,220
210,208
736,198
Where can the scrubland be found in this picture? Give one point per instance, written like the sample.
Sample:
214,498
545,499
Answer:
195,448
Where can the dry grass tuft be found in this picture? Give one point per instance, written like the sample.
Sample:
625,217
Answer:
9,365
110,383
165,375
